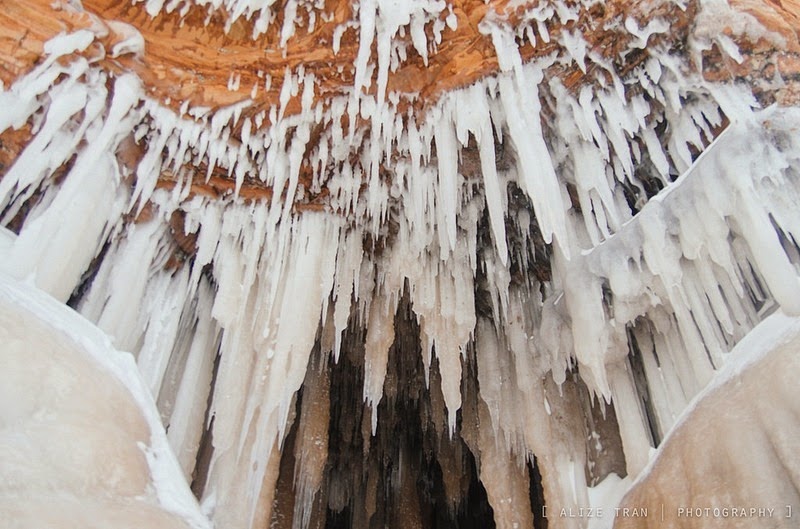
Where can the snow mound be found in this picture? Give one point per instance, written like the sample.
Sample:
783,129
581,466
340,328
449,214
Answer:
81,444
731,459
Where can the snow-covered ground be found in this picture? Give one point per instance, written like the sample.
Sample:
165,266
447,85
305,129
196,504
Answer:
81,443
731,458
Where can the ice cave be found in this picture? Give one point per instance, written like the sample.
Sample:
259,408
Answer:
399,264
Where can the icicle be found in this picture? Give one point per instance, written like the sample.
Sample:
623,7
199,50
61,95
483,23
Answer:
311,446
474,115
535,165
380,336
186,421
44,242
447,207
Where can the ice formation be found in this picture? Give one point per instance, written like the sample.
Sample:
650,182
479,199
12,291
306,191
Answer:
563,267
756,411
82,440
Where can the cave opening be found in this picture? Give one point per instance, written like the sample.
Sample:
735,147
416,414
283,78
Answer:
410,473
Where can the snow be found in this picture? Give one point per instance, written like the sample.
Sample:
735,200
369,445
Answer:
605,497
776,331
131,41
61,371
718,15
653,27
750,464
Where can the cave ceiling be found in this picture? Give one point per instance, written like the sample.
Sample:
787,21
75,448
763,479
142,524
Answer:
204,57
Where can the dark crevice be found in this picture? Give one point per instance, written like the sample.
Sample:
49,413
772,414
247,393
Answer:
206,449
87,278
643,388
410,474
536,494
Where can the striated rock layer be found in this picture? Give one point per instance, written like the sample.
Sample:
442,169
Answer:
419,264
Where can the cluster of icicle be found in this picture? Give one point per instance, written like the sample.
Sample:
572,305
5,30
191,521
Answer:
383,19
682,276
